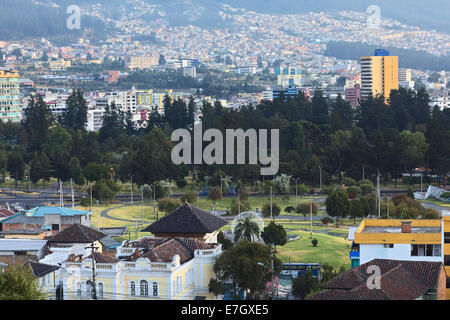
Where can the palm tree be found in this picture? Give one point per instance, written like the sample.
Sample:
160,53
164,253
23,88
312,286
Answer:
246,229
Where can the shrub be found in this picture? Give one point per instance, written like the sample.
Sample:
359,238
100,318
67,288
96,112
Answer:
189,196
445,195
85,202
238,206
349,182
168,205
304,209
289,209
354,191
327,190
314,242
366,188
275,209
327,220
365,181
181,183
430,213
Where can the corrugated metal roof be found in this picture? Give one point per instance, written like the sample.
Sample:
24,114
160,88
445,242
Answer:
41,211
21,244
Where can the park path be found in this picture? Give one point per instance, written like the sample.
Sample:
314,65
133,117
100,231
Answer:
104,214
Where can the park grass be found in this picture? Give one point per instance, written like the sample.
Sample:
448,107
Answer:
254,202
330,250
133,212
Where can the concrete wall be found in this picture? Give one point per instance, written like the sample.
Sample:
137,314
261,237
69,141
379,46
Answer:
400,251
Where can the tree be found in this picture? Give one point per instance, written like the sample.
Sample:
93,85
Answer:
239,267
104,190
238,206
281,184
356,210
410,193
305,285
189,196
168,205
274,234
337,204
226,243
95,172
59,150
75,115
18,283
305,209
246,229
276,209
16,165
215,194
38,120
162,60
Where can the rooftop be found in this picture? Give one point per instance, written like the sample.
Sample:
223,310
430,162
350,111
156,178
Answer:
399,230
21,244
400,280
187,219
77,233
41,211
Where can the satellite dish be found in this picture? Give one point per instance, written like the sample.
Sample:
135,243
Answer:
253,216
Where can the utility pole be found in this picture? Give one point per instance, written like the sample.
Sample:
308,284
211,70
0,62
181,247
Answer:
273,272
142,207
388,207
379,193
90,186
61,196
271,215
94,296
421,183
310,214
131,190
363,173
73,197
320,169
98,218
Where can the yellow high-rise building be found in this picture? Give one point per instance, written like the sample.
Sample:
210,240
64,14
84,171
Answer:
379,74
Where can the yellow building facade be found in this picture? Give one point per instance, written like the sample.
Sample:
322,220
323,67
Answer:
379,75
125,277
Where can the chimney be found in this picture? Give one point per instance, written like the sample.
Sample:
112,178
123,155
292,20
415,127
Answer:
406,226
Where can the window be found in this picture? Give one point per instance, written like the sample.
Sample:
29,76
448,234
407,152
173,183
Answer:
425,250
155,289
446,237
78,286
390,245
144,288
446,260
55,227
90,289
100,290
132,288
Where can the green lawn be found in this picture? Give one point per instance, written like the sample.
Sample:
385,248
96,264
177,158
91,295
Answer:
331,250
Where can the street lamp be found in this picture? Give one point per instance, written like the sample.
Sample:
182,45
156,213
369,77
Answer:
296,193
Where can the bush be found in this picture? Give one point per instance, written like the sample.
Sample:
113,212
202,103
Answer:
289,209
314,242
327,220
348,182
354,191
85,202
243,194
366,188
430,213
189,196
445,195
275,210
168,205
181,183
365,181
304,209
238,206
327,190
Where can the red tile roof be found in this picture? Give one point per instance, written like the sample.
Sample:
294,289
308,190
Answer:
400,280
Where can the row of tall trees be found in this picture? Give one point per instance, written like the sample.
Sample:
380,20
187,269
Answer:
315,134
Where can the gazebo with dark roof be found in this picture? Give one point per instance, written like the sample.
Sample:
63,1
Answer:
188,222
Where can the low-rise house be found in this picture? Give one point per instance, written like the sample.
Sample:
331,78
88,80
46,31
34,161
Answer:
399,280
188,222
19,251
26,234
47,280
77,235
52,219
